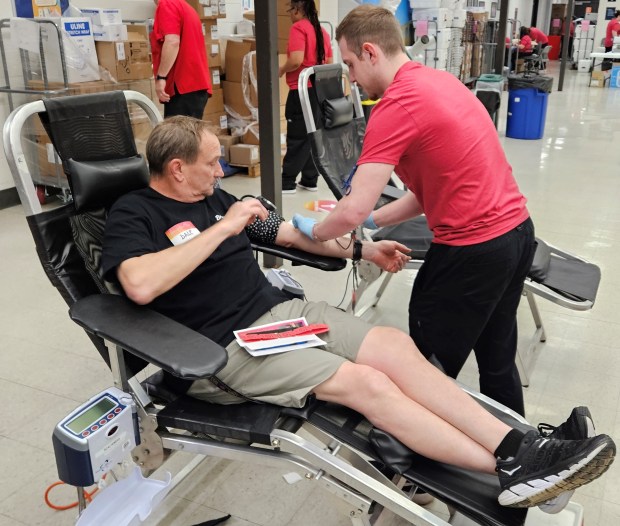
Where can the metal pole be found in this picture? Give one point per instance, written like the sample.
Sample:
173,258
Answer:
501,36
268,108
565,41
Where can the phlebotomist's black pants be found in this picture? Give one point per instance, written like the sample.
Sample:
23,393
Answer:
466,298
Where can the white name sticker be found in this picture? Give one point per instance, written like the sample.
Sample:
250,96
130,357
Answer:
182,233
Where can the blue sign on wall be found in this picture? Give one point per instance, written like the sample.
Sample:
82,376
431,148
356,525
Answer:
26,8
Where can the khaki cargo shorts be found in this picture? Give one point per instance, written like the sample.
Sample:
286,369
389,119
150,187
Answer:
288,378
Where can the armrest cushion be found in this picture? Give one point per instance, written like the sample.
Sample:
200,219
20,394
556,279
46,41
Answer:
149,335
299,257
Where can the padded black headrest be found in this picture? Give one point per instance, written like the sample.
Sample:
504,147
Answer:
337,112
542,260
97,184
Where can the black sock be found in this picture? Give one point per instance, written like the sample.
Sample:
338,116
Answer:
510,445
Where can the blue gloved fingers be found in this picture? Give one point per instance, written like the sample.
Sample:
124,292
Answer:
304,224
370,223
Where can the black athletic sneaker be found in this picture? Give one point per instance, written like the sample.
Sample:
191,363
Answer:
543,468
579,425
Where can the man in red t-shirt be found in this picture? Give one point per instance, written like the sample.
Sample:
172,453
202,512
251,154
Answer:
438,138
613,30
182,79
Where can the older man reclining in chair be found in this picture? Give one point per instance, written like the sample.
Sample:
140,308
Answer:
181,246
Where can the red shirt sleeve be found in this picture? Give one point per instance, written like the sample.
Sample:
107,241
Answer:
389,134
296,38
169,18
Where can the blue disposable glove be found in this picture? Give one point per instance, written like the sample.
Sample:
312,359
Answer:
370,223
304,224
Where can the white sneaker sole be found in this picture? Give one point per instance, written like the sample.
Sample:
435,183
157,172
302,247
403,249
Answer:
538,491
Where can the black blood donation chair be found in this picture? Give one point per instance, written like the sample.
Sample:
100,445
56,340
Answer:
346,456
336,126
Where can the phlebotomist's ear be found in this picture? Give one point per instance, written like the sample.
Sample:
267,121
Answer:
370,52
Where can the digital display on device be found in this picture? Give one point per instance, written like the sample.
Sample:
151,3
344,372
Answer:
91,415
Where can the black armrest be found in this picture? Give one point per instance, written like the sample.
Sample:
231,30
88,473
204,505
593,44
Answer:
393,192
299,257
149,335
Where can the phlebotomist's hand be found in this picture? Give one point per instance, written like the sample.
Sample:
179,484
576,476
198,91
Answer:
304,224
391,256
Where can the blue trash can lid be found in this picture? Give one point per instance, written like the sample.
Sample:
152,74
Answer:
539,82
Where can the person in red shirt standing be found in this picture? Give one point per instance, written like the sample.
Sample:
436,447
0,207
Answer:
180,66
541,39
524,47
438,138
613,30
308,45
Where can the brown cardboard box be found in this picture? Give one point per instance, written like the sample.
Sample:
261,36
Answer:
77,88
251,136
284,26
244,154
129,60
141,127
219,122
49,166
144,86
283,85
600,79
209,29
235,51
226,141
284,5
233,98
216,78
216,102
282,45
213,54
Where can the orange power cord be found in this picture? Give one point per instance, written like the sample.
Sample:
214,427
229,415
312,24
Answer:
87,496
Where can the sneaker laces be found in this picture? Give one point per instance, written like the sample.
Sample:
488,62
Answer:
546,429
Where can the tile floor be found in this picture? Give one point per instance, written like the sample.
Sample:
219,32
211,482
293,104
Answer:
571,179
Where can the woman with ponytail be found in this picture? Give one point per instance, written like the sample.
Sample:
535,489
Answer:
308,45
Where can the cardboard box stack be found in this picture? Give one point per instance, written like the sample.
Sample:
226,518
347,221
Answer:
236,107
214,111
140,123
284,24
107,23
129,59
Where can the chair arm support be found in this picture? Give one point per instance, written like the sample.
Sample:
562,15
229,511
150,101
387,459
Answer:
149,335
299,257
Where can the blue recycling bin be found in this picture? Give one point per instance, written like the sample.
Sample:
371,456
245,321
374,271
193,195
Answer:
527,106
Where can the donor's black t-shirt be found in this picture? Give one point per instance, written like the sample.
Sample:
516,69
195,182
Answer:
228,291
